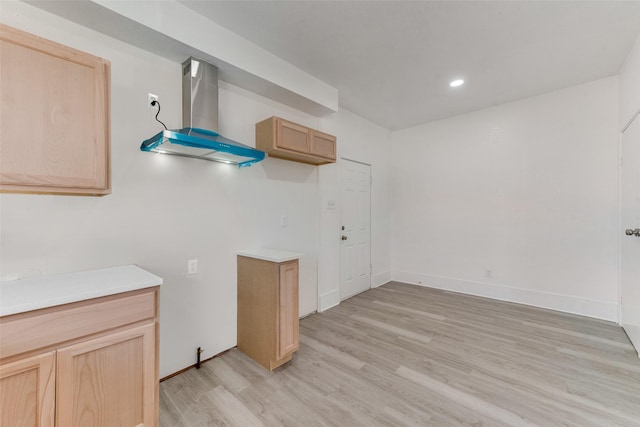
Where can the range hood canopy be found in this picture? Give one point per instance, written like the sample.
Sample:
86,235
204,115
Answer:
198,138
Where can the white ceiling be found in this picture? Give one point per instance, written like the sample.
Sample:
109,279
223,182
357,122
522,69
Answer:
392,60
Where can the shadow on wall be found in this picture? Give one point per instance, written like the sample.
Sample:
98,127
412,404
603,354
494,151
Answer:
286,170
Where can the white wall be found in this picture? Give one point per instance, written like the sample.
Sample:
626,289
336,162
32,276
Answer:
527,190
630,85
165,210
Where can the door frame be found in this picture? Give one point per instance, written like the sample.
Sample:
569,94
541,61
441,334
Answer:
342,159
635,116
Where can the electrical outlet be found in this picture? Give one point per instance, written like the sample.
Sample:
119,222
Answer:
192,266
283,221
152,98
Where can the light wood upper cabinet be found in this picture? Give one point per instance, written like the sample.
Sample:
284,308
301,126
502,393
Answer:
287,140
91,363
55,110
268,325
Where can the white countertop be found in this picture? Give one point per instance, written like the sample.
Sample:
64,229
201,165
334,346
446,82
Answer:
273,255
18,296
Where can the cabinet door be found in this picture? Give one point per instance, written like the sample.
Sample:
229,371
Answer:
288,309
27,392
323,145
108,381
54,136
291,136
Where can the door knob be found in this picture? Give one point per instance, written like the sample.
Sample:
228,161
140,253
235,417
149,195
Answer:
344,237
632,232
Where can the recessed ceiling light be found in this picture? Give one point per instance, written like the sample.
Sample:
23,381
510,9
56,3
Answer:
456,83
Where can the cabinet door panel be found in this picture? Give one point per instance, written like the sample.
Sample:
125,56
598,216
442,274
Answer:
323,145
108,381
55,117
27,392
292,137
288,309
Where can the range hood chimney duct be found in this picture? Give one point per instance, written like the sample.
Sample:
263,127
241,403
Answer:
199,95
199,137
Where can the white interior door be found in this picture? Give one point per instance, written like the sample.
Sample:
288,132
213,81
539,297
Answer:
355,251
630,222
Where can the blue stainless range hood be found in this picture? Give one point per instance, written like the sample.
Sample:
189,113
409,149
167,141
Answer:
199,139
202,144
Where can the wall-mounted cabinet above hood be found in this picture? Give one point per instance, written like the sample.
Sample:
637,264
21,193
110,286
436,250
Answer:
198,138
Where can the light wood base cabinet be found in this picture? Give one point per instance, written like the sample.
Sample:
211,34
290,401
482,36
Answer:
87,364
268,310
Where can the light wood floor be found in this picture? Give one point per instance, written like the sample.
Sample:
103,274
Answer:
403,355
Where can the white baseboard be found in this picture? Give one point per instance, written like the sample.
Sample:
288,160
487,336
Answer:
565,303
328,300
380,279
332,298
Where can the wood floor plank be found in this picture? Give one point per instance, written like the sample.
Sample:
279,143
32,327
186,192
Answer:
403,355
234,412
464,399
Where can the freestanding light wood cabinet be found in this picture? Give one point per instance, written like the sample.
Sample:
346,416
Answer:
268,306
55,109
90,363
